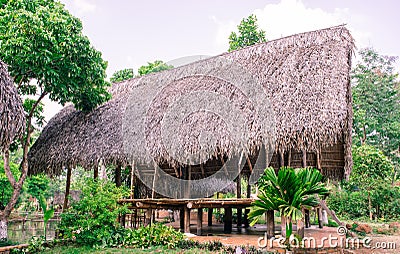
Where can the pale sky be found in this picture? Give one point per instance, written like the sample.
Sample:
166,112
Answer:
132,33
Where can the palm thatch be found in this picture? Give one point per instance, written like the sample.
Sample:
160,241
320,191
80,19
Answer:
12,119
305,77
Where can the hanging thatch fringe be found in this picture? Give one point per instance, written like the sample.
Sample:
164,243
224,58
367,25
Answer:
305,77
12,118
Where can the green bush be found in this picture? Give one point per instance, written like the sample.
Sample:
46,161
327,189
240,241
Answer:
155,235
92,220
5,186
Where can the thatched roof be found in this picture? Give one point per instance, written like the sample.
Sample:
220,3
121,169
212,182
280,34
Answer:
12,119
304,77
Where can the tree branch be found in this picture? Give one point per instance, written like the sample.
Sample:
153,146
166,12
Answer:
7,170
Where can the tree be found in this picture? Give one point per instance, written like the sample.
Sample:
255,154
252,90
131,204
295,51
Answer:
376,103
289,192
122,75
155,66
47,55
371,169
248,34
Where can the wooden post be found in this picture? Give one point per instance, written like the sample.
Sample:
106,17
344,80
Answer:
318,155
320,223
187,220
283,225
247,211
96,173
228,220
282,158
289,157
199,220
307,223
148,215
270,224
239,195
304,160
210,216
132,176
300,226
67,188
182,219
118,180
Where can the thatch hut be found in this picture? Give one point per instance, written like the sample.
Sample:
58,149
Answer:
304,78
12,118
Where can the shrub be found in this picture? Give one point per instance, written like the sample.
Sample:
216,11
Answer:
93,219
154,235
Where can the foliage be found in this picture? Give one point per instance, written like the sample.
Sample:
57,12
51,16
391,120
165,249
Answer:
376,99
40,40
370,166
122,75
5,186
350,204
248,34
38,185
289,192
154,235
155,66
92,220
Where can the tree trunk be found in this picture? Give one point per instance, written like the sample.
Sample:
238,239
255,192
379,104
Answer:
67,188
3,229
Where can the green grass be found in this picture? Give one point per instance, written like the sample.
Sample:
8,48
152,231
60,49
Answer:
77,250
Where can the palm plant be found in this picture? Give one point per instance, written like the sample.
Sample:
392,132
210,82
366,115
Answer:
290,191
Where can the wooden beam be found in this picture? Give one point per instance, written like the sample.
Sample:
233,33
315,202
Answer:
176,172
249,164
289,157
228,220
318,155
67,188
247,211
270,224
199,220
187,220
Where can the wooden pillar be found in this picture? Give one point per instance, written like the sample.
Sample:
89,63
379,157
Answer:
118,179
210,216
247,211
96,173
283,225
300,226
270,224
304,159
67,188
182,220
239,195
148,215
320,223
228,220
187,220
199,220
318,156
307,223
282,158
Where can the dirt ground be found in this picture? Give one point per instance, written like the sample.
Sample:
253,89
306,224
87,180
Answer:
326,237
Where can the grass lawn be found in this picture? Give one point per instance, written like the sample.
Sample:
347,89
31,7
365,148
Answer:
76,250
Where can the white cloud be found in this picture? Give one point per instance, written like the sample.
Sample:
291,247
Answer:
289,17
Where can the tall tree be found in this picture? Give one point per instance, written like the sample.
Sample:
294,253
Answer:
376,102
122,75
248,34
155,66
47,55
